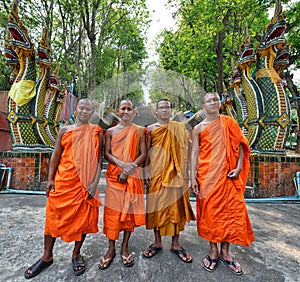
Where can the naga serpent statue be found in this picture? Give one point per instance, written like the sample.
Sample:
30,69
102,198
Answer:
276,119
32,115
23,88
267,116
11,59
251,90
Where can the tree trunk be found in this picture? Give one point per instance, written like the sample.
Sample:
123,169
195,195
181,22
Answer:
295,99
219,43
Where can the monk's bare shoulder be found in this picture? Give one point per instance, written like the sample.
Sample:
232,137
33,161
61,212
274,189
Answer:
199,127
151,127
109,132
64,129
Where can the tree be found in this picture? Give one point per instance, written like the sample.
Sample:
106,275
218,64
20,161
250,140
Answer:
212,31
91,40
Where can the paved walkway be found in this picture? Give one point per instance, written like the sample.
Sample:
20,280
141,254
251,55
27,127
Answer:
274,256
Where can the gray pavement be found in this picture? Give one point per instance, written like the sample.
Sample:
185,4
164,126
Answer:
274,256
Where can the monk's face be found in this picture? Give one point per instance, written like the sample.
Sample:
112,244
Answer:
126,111
211,103
84,110
163,110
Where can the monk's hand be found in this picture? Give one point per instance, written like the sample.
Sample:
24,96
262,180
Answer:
234,173
194,186
50,186
91,190
122,177
129,168
146,177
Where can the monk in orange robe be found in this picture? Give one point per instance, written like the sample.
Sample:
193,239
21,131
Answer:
73,200
219,170
125,150
168,204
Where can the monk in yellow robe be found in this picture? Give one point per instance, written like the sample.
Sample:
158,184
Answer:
73,200
219,166
168,204
125,150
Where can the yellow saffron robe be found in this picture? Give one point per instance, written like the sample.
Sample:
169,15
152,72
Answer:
69,212
221,209
168,203
124,202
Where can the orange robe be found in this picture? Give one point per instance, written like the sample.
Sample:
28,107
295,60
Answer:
69,213
221,210
168,204
124,202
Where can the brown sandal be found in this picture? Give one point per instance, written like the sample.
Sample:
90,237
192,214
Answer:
126,260
103,261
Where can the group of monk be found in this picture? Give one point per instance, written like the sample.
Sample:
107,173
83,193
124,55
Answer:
166,160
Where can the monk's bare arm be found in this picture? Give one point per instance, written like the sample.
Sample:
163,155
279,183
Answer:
194,158
92,187
148,148
54,160
107,149
142,152
234,173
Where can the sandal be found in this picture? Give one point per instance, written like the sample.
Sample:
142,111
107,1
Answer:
211,261
37,268
105,263
232,262
78,265
182,252
126,260
151,251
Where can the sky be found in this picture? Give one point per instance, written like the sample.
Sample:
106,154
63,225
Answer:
161,18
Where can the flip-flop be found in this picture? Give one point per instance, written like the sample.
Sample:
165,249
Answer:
37,268
211,261
126,260
182,252
78,263
151,249
232,262
104,261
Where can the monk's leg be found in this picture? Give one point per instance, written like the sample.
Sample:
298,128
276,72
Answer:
157,239
176,248
155,247
49,242
47,255
77,247
106,260
224,254
211,261
77,260
111,252
124,246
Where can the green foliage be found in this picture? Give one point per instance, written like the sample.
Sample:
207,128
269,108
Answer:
293,35
209,35
90,40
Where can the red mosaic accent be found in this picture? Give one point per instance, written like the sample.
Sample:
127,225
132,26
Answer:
273,176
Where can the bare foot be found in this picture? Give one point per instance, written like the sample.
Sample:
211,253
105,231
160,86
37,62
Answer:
210,263
232,265
182,254
106,260
152,250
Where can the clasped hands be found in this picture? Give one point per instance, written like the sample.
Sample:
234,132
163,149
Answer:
127,169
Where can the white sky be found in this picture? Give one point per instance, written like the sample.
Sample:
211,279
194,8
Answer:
161,18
